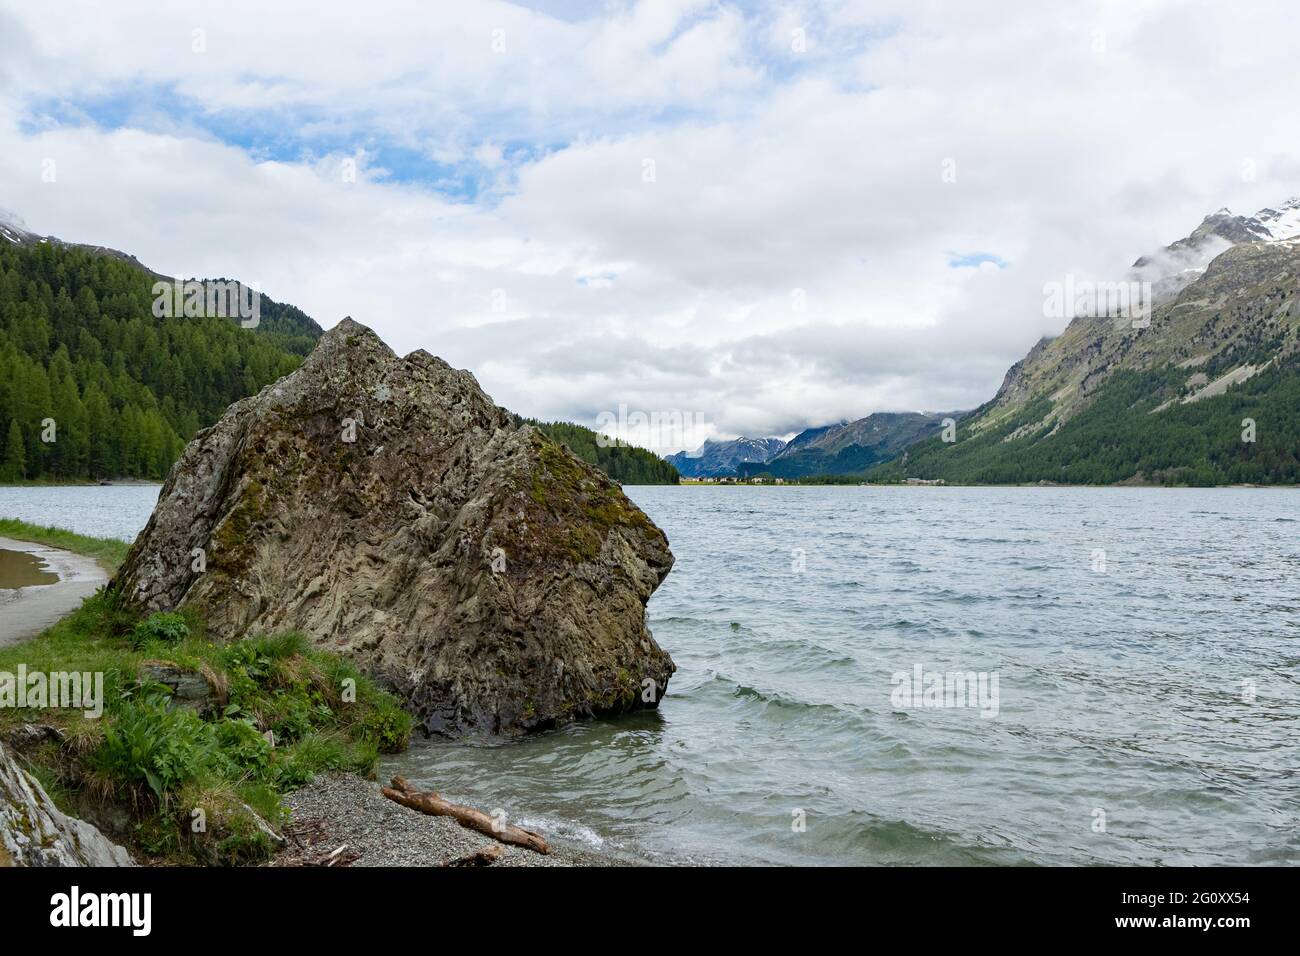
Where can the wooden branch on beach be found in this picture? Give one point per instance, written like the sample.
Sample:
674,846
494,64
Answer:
305,839
484,857
432,804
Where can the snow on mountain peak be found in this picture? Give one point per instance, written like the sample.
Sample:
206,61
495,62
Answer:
1282,223
12,229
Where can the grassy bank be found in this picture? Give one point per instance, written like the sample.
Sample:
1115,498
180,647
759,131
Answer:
184,775
108,552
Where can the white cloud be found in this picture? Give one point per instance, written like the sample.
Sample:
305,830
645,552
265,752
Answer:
787,266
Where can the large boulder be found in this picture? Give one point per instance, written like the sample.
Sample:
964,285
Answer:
385,507
34,832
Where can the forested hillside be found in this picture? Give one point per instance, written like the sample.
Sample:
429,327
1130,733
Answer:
626,464
1135,429
92,385
1205,391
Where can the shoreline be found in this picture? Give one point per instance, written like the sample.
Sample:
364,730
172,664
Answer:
30,610
955,484
344,810
335,808
786,483
86,483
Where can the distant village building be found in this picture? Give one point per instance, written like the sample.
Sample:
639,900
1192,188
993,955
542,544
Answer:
924,481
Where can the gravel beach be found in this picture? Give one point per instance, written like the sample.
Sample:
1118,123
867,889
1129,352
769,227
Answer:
343,809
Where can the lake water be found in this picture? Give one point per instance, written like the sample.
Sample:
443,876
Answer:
1144,646
101,511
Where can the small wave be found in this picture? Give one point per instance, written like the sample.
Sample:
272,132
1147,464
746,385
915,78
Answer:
860,835
782,701
563,829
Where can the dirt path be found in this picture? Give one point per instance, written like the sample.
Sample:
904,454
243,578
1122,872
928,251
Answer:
27,611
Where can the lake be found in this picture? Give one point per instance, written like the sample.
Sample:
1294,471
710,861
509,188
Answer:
101,511
887,675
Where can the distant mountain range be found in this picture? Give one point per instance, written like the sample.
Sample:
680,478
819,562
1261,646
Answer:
1203,388
849,447
1207,393
844,448
717,459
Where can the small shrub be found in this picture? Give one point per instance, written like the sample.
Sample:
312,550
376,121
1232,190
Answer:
232,834
163,628
246,750
294,715
317,753
162,761
387,726
148,749
278,647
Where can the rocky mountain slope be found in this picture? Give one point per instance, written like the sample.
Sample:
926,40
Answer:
12,232
716,459
1215,327
850,447
388,510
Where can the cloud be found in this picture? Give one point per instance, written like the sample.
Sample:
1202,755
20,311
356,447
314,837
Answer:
671,206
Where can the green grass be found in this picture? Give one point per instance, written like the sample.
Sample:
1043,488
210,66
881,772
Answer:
191,782
108,552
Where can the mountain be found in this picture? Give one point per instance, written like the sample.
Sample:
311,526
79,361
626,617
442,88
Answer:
16,234
275,317
718,459
1172,268
93,385
849,447
1206,393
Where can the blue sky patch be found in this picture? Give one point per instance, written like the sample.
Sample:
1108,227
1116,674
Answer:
973,260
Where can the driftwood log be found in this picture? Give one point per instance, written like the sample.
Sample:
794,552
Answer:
432,804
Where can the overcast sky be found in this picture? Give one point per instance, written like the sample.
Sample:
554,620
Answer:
758,216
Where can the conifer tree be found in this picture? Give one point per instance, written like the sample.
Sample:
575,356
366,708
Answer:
13,467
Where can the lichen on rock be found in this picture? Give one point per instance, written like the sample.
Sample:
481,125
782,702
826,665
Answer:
34,832
389,510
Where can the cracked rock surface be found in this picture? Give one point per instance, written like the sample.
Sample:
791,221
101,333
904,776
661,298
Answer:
389,510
